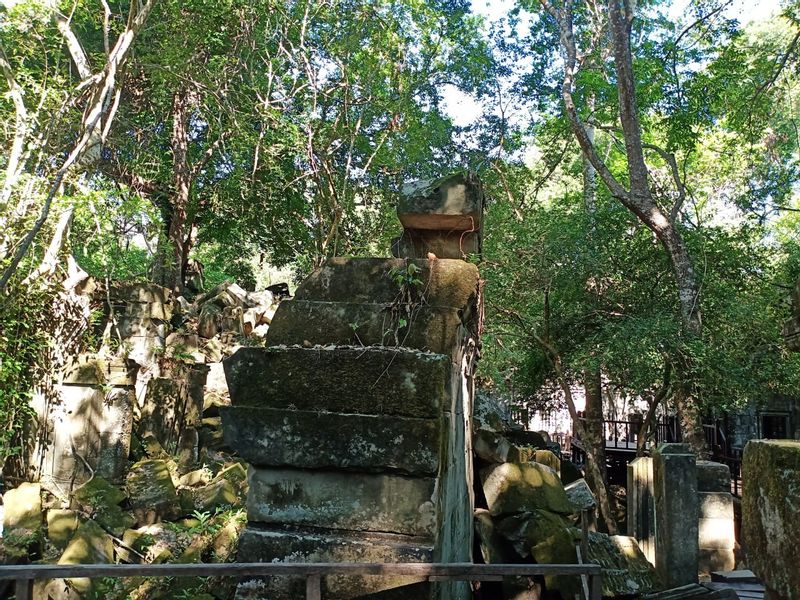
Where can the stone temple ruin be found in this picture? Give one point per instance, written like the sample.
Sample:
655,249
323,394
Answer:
356,417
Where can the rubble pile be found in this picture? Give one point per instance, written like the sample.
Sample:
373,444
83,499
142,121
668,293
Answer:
131,464
530,512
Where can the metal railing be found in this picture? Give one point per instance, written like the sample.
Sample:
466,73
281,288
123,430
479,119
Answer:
25,575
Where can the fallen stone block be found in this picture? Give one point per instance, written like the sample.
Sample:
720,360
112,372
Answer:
61,526
213,496
491,446
581,495
494,548
352,501
89,545
525,530
546,457
510,488
152,493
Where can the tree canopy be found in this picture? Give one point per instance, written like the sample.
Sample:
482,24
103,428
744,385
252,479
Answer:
640,165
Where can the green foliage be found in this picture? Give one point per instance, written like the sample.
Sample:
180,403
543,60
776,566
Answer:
23,344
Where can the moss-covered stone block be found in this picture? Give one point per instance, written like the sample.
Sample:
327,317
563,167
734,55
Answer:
215,495
90,545
446,283
494,548
771,513
350,501
152,492
268,437
513,488
546,457
263,545
417,325
626,571
61,526
367,380
23,525
525,530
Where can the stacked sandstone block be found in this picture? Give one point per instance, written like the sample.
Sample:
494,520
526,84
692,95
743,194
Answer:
356,422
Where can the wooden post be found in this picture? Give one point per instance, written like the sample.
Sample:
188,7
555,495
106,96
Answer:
24,589
314,587
597,587
585,534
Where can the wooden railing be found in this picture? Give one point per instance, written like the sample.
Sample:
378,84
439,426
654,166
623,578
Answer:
24,575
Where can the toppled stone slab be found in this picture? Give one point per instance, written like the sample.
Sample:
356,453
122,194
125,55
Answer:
101,499
152,493
581,495
494,548
23,508
61,526
451,203
352,501
525,530
368,381
546,457
512,488
626,570
261,545
445,283
322,440
89,545
771,513
214,496
491,446
423,327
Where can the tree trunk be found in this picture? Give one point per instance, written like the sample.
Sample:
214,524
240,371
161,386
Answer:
638,199
182,181
593,439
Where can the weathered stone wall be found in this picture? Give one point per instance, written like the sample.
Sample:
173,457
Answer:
717,539
360,451
771,514
86,428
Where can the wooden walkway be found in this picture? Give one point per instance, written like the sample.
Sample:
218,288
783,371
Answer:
744,583
724,585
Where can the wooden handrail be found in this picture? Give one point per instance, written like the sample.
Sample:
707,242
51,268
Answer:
24,575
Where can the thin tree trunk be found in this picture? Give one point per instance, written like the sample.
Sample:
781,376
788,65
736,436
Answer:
638,199
101,106
596,475
182,182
